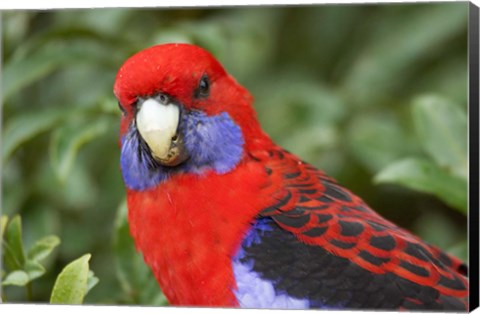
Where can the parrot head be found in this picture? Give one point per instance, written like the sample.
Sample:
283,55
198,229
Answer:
182,113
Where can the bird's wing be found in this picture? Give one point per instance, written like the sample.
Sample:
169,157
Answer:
340,246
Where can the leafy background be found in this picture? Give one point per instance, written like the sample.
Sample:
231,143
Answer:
376,95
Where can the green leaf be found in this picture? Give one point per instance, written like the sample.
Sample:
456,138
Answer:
14,253
34,269
3,225
42,248
92,281
68,139
16,278
20,72
460,250
442,129
377,140
71,284
26,126
135,277
416,34
15,26
426,176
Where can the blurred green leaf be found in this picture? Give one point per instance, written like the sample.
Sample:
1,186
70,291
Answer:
426,176
398,42
79,191
42,248
37,224
14,255
442,129
300,114
34,269
449,77
21,72
378,139
308,141
71,284
68,139
26,126
135,277
460,250
15,25
3,225
16,278
91,281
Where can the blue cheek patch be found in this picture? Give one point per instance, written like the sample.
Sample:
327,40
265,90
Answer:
139,169
212,142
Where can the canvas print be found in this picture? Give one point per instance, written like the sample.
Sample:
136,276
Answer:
289,157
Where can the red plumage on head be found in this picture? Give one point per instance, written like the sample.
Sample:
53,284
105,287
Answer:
176,69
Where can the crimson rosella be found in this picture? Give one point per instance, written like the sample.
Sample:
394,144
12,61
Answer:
225,217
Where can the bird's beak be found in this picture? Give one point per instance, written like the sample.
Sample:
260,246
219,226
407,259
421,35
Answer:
157,121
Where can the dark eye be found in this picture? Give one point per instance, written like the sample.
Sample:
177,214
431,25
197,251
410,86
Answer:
203,89
124,112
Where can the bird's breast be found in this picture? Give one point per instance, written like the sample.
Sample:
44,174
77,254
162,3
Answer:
189,228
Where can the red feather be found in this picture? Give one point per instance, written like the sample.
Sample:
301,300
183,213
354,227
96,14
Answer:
189,227
306,190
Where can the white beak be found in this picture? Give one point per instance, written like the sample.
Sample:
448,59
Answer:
157,123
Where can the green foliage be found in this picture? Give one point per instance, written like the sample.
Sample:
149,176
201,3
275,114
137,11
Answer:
42,248
68,139
334,84
21,269
426,176
73,282
14,256
442,130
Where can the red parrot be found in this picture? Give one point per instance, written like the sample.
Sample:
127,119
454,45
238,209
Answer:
225,217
